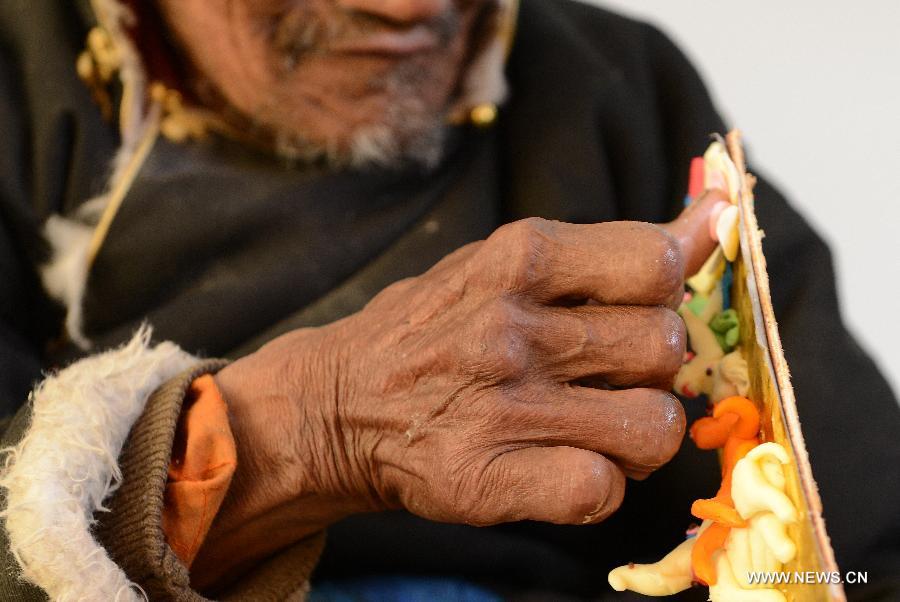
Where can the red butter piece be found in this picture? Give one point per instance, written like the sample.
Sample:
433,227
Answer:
695,181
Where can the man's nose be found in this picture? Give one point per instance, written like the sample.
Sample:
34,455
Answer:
400,11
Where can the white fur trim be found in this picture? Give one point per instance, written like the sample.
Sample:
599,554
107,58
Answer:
65,276
66,466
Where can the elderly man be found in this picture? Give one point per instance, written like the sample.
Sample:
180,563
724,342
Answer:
399,216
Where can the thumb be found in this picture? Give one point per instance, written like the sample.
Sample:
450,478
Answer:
695,228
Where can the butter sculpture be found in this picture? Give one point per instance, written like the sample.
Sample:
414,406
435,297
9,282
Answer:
758,490
766,516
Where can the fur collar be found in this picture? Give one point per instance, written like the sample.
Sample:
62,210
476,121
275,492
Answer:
66,465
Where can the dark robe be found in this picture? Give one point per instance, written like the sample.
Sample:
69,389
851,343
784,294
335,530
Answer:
220,249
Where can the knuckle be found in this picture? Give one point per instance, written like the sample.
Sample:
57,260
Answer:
500,347
501,325
521,247
516,234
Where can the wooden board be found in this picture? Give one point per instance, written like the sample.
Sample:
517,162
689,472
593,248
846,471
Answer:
770,383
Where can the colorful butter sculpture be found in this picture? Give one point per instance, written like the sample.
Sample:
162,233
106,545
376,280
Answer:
767,515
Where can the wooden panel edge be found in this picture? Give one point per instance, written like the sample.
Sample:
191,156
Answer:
769,339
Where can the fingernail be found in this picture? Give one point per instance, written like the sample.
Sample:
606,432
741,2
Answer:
716,211
716,179
590,517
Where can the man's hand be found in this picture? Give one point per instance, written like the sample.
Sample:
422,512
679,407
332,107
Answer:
522,377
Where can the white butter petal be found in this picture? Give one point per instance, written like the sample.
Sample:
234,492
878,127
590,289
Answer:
727,232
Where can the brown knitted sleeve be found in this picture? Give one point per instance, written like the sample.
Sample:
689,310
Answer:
132,530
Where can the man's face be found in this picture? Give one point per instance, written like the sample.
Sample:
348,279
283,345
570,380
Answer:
351,80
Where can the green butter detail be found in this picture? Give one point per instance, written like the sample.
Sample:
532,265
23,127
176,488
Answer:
697,304
727,329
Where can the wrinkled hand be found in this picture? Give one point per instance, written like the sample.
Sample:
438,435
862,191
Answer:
522,377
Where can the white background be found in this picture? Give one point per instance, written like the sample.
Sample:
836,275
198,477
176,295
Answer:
815,87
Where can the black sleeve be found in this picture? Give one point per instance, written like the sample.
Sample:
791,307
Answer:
850,416
21,299
55,149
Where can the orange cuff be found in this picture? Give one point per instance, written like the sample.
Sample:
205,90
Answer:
203,461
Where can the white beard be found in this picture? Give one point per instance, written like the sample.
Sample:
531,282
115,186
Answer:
404,136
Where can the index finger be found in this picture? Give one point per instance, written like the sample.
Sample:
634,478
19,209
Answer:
693,228
612,263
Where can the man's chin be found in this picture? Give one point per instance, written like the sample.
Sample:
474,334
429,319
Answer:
373,145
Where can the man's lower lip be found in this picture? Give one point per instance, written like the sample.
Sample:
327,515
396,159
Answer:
405,43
